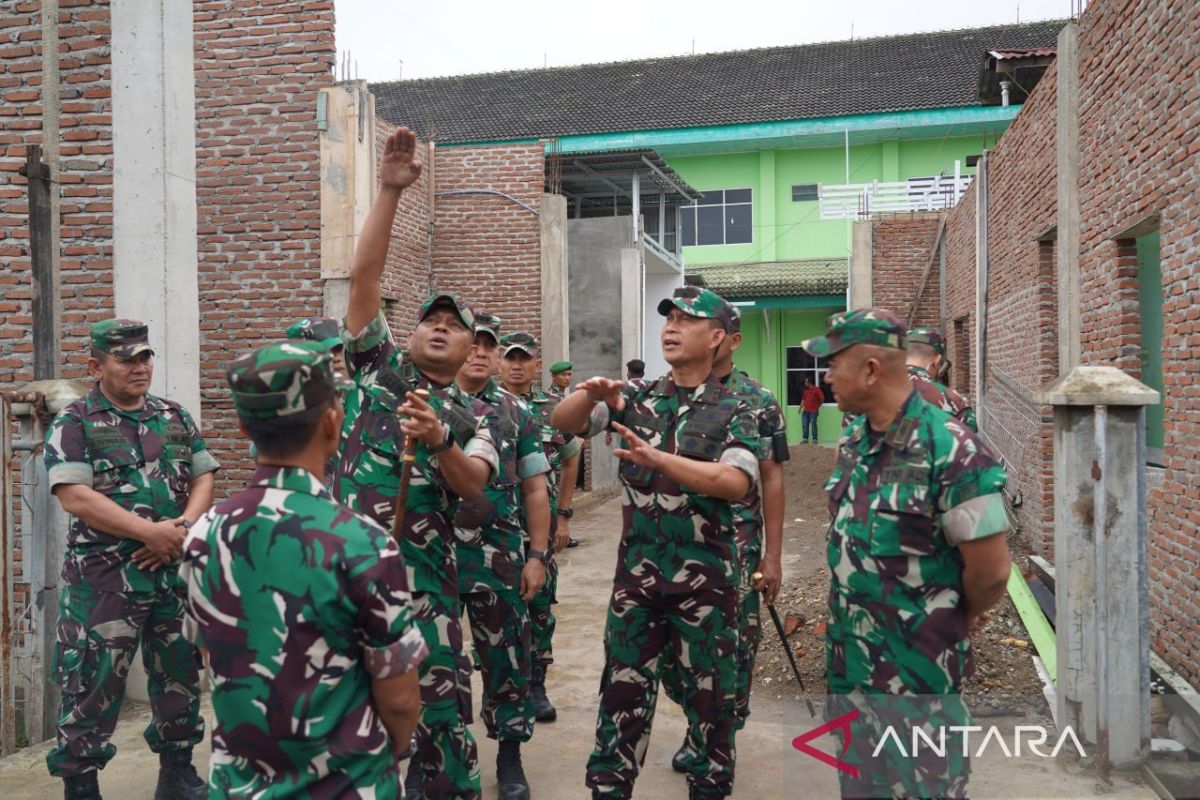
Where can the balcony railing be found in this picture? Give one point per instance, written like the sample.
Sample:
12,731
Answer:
863,201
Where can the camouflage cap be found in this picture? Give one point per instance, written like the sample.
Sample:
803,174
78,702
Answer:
326,330
124,338
928,336
487,323
443,300
520,340
702,303
283,378
876,326
561,366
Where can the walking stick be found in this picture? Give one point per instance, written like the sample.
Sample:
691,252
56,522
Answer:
758,576
410,457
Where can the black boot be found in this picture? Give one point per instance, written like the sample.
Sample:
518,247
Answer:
704,792
510,776
178,779
682,758
81,787
543,709
414,783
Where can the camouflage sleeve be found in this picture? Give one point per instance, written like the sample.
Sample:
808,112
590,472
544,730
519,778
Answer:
603,415
483,445
203,462
572,448
369,346
967,417
65,453
970,499
531,458
377,586
192,564
742,443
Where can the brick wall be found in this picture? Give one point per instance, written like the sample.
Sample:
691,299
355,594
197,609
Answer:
85,181
1139,157
259,66
900,250
406,279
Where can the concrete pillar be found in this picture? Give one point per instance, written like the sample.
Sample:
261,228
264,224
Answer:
861,276
346,119
1067,157
154,187
633,302
1103,681
556,318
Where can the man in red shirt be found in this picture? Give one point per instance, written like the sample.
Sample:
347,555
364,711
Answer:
810,406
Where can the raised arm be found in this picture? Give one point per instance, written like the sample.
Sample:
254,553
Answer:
398,168
571,415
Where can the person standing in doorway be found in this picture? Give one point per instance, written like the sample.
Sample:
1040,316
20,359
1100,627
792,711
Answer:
810,408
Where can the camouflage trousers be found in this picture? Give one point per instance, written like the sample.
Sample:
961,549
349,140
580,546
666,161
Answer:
899,770
541,617
500,631
446,753
697,628
98,633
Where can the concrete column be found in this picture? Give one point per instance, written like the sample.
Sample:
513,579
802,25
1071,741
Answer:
861,275
764,207
1103,681
1067,156
346,119
633,302
154,187
556,317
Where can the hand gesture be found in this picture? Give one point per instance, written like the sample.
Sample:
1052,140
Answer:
399,167
162,545
636,450
533,578
768,579
603,390
422,422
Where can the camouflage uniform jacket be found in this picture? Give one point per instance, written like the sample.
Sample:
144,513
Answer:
673,539
492,558
368,476
557,446
942,396
747,514
143,460
901,501
300,603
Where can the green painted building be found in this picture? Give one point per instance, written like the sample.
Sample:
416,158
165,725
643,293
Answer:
781,150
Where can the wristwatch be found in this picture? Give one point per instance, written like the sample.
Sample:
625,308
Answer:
566,513
447,441
543,556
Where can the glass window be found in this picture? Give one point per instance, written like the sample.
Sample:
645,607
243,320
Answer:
803,192
720,216
801,365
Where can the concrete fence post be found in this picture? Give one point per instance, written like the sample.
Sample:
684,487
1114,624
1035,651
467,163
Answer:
1103,680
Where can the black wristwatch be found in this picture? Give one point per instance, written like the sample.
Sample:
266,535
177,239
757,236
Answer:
566,513
543,556
446,444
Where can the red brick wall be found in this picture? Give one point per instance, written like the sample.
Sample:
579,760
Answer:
259,66
85,182
487,247
900,250
958,281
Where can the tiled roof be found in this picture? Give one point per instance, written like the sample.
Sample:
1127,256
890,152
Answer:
831,79
804,277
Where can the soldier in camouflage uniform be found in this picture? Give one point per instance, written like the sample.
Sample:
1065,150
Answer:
328,332
560,379
300,606
690,448
133,472
917,556
926,360
750,513
496,580
455,457
519,364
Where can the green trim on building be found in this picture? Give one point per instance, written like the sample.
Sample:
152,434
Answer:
806,303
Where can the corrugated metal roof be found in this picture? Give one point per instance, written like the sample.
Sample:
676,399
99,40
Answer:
798,278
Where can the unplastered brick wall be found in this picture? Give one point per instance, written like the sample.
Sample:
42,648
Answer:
85,180
406,277
1140,165
901,245
487,234
259,67
958,286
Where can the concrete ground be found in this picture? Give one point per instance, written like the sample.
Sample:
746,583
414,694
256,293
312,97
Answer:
767,767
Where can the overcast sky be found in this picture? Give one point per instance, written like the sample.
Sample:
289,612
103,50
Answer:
465,36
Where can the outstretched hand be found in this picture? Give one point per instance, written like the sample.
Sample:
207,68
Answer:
636,449
602,390
399,166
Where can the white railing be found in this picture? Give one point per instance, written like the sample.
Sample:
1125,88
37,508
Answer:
862,201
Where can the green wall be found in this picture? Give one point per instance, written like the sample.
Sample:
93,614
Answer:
784,229
763,356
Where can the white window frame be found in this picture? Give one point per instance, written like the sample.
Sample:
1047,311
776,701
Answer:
724,225
817,373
